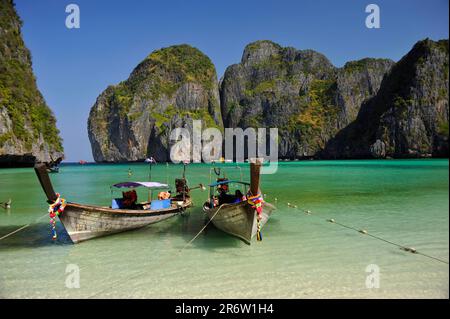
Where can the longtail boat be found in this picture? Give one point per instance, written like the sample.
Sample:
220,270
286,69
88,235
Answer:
239,215
83,222
53,165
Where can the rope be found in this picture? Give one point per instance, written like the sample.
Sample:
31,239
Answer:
201,230
23,227
117,283
365,232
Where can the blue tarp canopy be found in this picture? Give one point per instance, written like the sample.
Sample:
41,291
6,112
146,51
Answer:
228,182
139,184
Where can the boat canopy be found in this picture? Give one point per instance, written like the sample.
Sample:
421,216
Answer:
139,184
227,182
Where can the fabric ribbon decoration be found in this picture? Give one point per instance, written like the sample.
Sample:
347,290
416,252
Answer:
54,210
256,202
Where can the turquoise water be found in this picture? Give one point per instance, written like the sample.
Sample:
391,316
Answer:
301,256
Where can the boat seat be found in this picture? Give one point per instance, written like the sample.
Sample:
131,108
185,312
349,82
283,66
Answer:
117,203
160,204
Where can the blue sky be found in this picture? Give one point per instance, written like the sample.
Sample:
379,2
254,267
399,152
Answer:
73,66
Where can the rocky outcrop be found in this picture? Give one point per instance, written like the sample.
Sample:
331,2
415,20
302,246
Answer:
171,87
408,117
28,130
356,83
298,91
370,108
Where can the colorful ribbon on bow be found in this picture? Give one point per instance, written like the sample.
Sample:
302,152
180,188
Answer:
256,202
54,210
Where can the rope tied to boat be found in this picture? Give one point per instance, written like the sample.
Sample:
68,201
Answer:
203,228
140,273
54,209
365,232
23,227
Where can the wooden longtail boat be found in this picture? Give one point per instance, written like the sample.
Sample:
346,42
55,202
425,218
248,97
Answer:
83,222
53,169
53,165
239,219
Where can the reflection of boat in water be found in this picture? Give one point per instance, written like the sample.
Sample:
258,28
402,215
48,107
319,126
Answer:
238,215
83,222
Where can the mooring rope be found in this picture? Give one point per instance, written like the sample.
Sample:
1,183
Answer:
172,257
201,230
23,227
365,232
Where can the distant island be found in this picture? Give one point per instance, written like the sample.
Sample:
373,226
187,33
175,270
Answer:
370,108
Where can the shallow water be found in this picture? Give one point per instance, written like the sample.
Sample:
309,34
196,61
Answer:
301,256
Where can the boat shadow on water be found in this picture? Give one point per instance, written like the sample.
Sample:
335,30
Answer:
187,227
36,235
210,238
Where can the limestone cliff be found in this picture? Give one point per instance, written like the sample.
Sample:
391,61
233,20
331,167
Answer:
408,117
298,91
365,109
28,130
171,87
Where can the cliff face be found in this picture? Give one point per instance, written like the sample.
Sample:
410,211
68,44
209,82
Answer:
408,117
171,87
370,108
298,91
27,126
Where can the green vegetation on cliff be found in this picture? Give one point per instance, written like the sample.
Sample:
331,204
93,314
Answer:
25,106
170,87
163,72
185,61
320,109
360,65
161,119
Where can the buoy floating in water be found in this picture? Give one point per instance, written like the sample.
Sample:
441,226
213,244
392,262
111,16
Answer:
410,249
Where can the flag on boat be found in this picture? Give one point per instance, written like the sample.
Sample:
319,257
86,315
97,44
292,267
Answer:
150,160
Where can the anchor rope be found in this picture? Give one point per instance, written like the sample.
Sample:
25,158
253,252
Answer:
23,227
365,232
172,257
201,230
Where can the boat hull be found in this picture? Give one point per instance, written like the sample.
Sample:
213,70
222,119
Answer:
239,220
83,222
